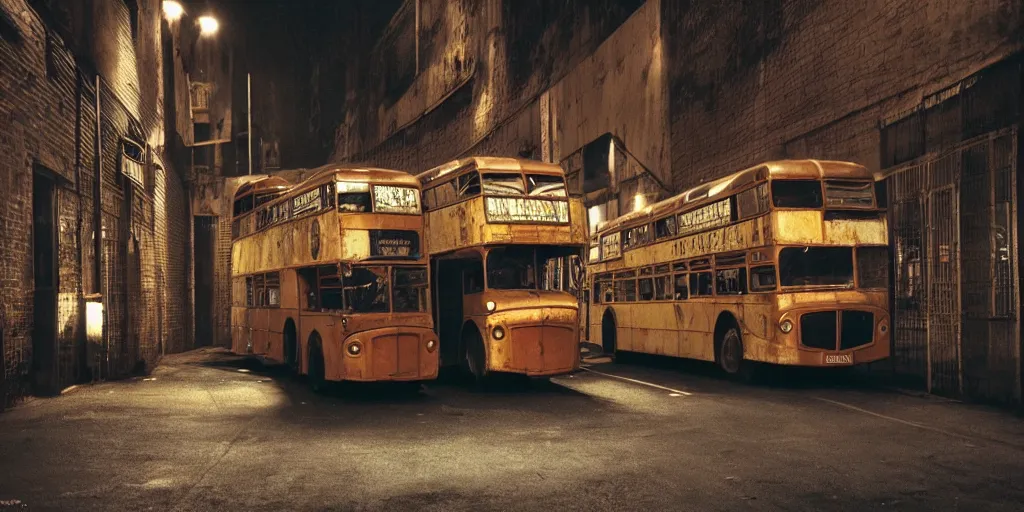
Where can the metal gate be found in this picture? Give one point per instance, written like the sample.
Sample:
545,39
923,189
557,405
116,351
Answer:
952,225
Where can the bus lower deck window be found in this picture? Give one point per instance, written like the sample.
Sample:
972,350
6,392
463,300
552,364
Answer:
646,289
700,283
732,281
680,291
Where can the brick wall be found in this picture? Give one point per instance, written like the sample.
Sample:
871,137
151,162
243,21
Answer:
762,79
48,61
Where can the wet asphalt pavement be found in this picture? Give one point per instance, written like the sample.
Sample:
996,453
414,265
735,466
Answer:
209,431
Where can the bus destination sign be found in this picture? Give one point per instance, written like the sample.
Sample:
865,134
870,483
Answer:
519,209
711,216
310,201
394,244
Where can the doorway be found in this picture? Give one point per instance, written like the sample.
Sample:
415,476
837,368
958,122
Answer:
453,278
205,229
44,266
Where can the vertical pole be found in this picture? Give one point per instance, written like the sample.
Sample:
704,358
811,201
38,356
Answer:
248,111
97,184
416,37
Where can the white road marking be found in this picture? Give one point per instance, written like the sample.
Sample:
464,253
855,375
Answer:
642,383
897,420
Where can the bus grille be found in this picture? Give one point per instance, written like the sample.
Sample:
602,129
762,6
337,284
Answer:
858,328
818,330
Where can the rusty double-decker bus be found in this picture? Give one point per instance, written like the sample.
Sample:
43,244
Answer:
328,277
784,263
504,237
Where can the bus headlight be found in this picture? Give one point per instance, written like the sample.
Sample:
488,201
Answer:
786,326
431,345
491,306
498,333
355,348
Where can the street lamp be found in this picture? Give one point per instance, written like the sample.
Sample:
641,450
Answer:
173,10
208,25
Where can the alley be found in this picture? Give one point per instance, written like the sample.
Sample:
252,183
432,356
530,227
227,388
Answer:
208,430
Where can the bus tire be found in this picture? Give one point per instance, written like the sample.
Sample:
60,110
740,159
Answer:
472,354
316,371
291,347
729,353
608,333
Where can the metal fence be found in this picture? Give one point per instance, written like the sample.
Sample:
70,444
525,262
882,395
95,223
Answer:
953,229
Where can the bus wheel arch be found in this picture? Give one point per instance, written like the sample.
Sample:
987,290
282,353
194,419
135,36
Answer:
729,344
609,332
315,364
472,351
290,345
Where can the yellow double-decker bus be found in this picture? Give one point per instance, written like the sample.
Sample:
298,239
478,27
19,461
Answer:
785,263
329,277
505,241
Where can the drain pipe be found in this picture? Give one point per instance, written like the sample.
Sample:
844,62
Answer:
97,189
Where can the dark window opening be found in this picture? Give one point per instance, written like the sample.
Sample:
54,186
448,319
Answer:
625,291
873,267
354,202
845,194
511,268
366,290
701,284
469,185
646,288
762,279
816,266
731,281
680,290
663,288
410,289
473,277
752,202
796,194
665,228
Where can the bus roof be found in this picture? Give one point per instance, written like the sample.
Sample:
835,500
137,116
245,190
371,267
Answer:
491,164
267,183
339,172
728,185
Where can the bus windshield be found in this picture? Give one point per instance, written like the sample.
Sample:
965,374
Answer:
367,289
518,267
816,266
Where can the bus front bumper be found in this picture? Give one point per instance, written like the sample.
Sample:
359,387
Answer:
387,354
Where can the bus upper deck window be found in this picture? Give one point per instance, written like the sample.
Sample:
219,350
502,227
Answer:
353,197
796,194
545,185
503,184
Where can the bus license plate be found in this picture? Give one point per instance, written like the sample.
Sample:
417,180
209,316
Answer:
838,359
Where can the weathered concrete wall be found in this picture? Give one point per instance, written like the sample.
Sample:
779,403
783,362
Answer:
620,89
481,67
761,79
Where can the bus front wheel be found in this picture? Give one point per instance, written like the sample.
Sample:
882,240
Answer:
315,373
